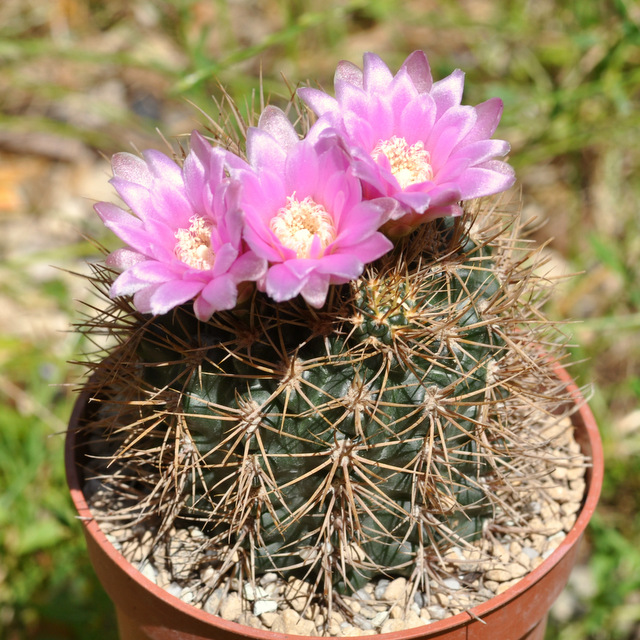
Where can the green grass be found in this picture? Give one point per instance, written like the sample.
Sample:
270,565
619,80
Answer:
108,74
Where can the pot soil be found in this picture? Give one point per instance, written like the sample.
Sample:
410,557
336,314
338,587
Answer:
145,611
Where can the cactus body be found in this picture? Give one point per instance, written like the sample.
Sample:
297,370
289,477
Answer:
338,444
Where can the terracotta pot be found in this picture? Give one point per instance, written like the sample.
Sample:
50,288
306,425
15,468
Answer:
147,612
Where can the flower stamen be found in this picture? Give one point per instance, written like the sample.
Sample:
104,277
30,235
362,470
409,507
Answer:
410,164
194,244
299,222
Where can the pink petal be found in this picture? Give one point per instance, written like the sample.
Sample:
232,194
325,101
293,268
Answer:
221,293
482,150
492,177
142,299
124,258
169,295
350,73
225,257
318,101
447,93
275,122
264,151
417,66
248,268
315,290
447,132
131,168
281,284
347,266
115,216
489,114
417,119
163,168
377,75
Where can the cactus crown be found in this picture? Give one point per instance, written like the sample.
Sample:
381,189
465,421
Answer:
358,427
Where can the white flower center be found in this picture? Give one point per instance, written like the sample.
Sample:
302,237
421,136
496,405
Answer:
297,223
194,244
409,163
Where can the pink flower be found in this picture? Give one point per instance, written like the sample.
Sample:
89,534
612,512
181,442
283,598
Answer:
184,240
411,139
304,212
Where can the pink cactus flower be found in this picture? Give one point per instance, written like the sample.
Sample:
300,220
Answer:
304,212
184,239
411,139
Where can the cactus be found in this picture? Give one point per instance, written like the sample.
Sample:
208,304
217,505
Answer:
338,439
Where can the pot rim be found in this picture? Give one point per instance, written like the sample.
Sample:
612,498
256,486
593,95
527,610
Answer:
592,446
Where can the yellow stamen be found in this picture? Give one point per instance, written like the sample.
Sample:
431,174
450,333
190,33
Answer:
194,244
297,223
410,164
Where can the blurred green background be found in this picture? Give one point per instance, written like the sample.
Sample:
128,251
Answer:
81,79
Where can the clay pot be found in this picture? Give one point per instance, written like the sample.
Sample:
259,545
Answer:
147,612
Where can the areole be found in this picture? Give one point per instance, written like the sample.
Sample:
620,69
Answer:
147,612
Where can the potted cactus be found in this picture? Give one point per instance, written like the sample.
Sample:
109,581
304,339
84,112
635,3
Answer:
329,394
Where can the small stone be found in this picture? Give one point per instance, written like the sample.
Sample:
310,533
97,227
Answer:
268,618
264,606
569,508
500,552
368,612
452,583
516,570
524,560
413,620
497,575
436,612
277,626
442,599
396,612
492,586
268,578
575,473
579,486
559,473
395,590
380,617
213,603
252,592
295,624
393,624
249,620
231,607
506,585
381,588
361,622
355,606
336,617
149,572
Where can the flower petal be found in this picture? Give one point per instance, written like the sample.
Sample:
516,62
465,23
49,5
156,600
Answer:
447,93
417,66
275,122
377,75
315,290
172,294
490,178
131,168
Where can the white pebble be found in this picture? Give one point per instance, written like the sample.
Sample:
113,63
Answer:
452,583
264,606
